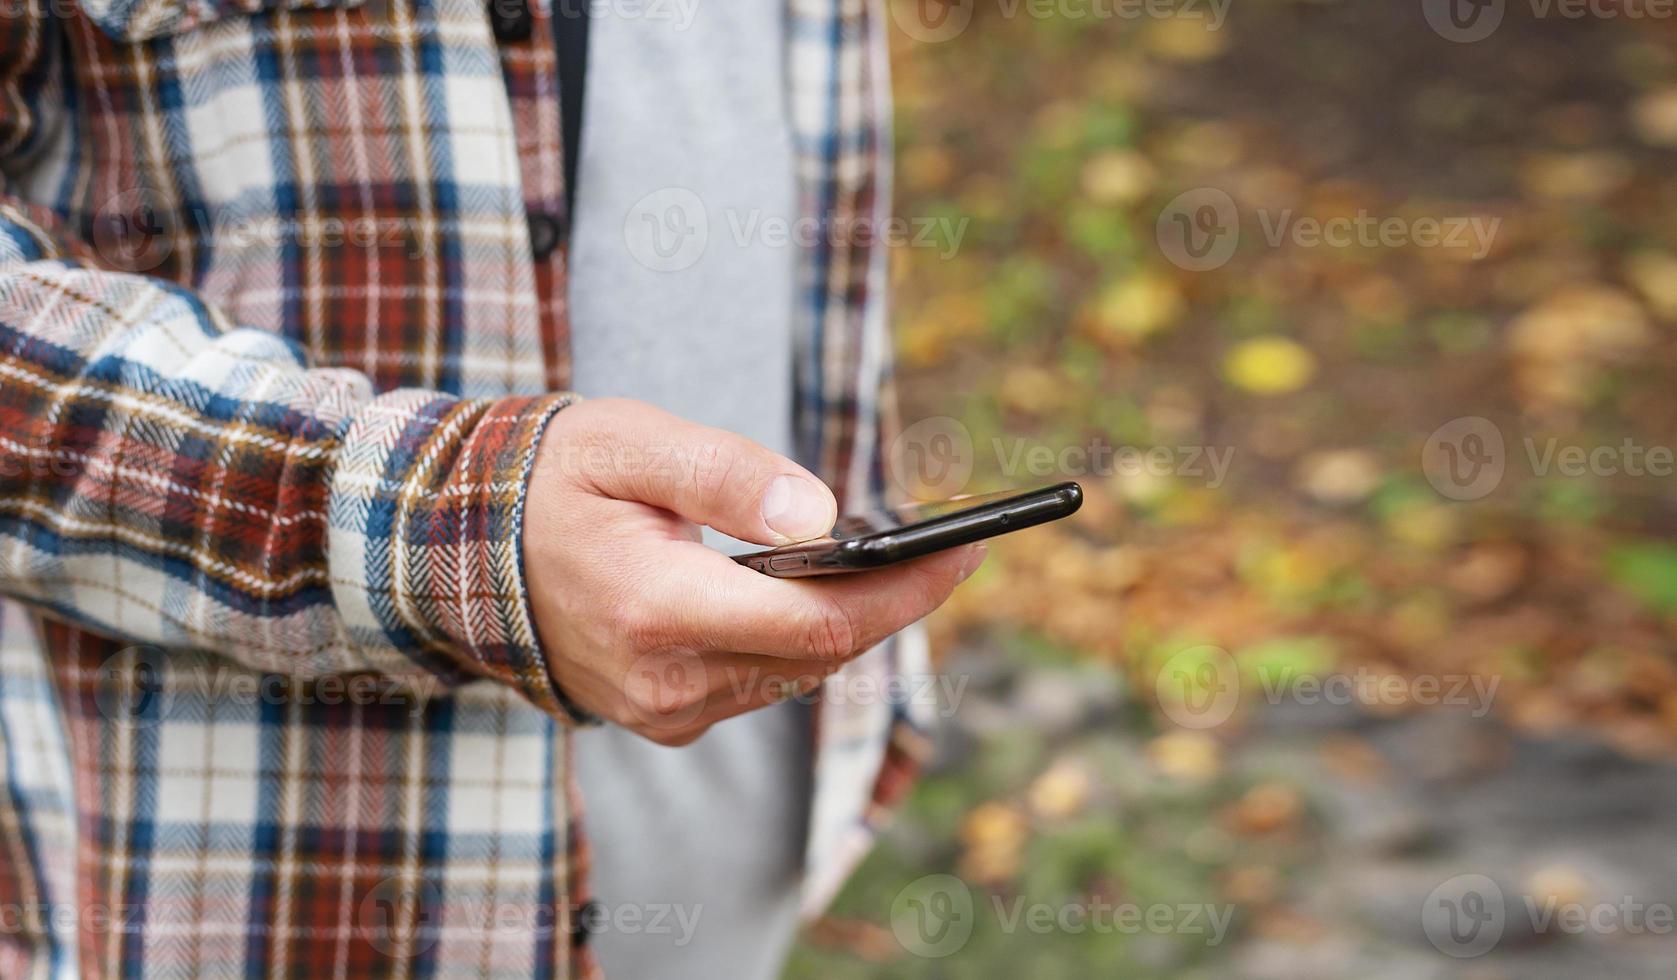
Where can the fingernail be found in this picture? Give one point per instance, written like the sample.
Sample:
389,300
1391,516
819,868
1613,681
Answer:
974,559
797,509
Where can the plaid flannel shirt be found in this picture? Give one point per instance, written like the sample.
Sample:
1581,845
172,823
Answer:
275,352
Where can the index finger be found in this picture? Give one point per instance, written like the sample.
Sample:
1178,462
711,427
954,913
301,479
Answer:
719,604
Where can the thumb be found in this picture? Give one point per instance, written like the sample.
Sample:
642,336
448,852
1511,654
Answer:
708,476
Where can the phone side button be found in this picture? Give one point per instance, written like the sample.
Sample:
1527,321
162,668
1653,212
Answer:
784,563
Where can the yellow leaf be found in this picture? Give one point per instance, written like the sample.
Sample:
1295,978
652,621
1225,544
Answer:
1587,176
1269,366
1339,476
995,834
1654,274
1117,177
1135,308
1061,791
1188,756
1032,389
1654,117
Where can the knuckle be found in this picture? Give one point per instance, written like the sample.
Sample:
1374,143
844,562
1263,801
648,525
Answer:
589,452
636,626
646,698
652,697
829,633
677,738
711,465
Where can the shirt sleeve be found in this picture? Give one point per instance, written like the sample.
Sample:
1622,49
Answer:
168,477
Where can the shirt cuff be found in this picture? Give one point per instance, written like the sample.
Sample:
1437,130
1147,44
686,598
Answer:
427,519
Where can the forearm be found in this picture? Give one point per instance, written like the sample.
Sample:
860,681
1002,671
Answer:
168,477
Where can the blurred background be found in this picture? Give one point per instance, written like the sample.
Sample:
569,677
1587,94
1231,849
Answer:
1356,322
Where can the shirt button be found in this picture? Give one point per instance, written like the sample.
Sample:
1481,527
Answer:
510,20
545,232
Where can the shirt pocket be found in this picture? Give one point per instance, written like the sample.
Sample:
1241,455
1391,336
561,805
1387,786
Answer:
134,21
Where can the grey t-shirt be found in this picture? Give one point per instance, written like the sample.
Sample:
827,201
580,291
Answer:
679,298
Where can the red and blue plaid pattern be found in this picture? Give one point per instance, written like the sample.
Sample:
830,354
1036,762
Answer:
275,353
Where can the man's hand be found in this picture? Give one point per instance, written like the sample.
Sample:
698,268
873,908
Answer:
645,626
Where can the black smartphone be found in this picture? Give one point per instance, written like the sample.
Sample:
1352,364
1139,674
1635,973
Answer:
860,542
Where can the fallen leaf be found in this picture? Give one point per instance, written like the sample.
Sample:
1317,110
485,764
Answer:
1654,117
1135,308
1561,344
1118,177
1266,808
995,835
1339,476
1654,274
1060,792
1269,366
1488,571
1587,176
1193,757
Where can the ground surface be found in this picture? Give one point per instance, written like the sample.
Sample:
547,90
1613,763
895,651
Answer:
1336,543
